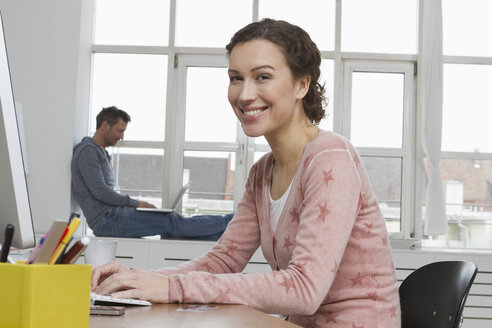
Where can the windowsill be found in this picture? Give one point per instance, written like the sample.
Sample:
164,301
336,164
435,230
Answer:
448,250
417,249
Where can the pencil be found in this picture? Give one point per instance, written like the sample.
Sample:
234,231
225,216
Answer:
66,239
75,251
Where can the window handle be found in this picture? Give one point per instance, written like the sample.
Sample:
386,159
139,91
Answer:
241,153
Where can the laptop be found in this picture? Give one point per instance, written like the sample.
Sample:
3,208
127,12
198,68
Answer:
174,205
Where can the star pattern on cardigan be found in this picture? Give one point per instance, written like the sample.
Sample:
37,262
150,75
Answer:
393,312
302,266
327,176
294,215
331,317
384,239
359,205
324,211
288,283
368,226
363,202
287,243
206,267
210,278
372,295
357,280
223,297
231,248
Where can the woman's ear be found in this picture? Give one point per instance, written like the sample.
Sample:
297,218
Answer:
302,85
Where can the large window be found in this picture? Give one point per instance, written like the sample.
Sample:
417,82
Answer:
378,117
466,148
164,62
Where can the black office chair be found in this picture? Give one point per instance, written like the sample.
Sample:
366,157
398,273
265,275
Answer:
434,295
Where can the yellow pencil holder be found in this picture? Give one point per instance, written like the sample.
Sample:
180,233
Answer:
42,295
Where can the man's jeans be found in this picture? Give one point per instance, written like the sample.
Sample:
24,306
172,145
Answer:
124,221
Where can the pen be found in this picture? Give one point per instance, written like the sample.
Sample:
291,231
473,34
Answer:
65,240
75,251
72,216
7,241
60,257
35,253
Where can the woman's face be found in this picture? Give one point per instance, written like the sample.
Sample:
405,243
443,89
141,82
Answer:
262,91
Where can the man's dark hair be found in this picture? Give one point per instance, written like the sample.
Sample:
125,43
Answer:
111,114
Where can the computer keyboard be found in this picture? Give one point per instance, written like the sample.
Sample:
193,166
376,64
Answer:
97,298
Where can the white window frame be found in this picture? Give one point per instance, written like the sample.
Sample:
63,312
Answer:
175,120
407,151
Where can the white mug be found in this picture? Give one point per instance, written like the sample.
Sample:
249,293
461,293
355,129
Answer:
100,252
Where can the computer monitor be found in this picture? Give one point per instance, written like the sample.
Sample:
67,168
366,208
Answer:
14,198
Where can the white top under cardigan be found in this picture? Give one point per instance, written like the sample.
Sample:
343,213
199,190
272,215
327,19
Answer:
277,206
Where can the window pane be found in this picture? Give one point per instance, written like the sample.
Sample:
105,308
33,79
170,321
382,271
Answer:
467,104
210,23
377,109
466,27
136,84
468,196
385,176
138,173
212,182
209,116
384,26
317,17
132,22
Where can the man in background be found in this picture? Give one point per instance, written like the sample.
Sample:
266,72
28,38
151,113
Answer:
111,214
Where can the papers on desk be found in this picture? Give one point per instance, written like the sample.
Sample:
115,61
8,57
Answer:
197,308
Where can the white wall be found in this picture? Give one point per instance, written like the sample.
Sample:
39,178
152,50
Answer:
46,50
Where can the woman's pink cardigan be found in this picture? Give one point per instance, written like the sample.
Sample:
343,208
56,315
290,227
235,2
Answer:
330,256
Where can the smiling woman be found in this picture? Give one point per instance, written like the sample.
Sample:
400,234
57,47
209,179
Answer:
308,203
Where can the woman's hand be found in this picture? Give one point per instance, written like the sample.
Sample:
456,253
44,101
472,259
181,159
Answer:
115,279
100,273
